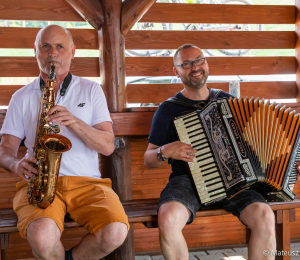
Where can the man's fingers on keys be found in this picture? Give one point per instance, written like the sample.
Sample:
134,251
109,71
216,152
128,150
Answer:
190,149
23,177
31,159
29,173
27,166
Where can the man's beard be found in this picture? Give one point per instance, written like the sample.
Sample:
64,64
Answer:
195,83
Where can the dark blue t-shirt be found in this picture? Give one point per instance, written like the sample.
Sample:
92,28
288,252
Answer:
163,130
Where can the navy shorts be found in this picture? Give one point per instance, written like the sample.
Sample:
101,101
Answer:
180,189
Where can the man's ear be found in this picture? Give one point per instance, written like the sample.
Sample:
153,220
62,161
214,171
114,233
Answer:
73,51
34,50
176,72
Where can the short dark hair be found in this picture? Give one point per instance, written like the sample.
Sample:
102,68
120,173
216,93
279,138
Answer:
182,47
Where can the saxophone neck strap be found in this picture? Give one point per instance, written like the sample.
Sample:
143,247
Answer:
213,94
64,87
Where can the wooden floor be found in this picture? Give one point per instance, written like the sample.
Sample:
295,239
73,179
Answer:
240,253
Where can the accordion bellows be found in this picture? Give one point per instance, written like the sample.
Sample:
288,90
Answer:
242,142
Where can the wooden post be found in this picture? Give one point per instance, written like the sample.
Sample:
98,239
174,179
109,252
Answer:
112,56
4,242
112,73
297,47
283,233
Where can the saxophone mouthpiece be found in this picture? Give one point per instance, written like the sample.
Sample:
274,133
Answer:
52,75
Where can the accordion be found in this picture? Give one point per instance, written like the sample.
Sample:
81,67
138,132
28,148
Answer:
242,142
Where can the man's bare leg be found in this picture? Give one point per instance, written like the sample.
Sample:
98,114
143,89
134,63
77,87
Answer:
260,218
172,218
104,242
44,238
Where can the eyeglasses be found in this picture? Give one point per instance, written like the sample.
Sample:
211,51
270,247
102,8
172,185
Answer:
189,64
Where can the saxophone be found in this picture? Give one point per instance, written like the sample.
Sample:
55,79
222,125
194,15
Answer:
48,148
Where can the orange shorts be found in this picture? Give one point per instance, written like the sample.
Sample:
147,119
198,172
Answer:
90,202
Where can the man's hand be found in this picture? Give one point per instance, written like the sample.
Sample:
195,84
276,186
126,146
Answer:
179,151
24,167
63,115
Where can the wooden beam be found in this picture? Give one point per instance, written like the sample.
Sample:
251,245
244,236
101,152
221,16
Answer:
31,10
132,12
147,93
23,38
171,40
89,10
227,14
125,124
60,10
132,123
28,67
163,66
147,66
6,91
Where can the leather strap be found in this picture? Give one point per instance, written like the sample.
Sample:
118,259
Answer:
65,85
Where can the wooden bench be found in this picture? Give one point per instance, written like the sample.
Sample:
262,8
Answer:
144,211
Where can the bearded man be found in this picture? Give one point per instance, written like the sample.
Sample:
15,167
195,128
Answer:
178,202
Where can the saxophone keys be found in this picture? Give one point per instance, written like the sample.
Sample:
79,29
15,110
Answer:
45,180
40,155
57,131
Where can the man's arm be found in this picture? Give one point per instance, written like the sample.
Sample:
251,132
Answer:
8,158
99,137
176,150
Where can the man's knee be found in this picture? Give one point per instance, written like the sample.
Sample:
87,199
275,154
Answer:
259,217
43,235
112,236
172,218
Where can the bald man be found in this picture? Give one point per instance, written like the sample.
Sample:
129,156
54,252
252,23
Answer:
83,116
178,202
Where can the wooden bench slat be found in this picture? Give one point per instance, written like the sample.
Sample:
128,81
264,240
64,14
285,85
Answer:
138,211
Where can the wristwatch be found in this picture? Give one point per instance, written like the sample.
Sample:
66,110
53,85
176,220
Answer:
160,156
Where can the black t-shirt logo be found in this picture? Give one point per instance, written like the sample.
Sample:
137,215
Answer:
81,104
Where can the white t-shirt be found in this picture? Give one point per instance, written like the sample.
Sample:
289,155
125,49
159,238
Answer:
83,98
